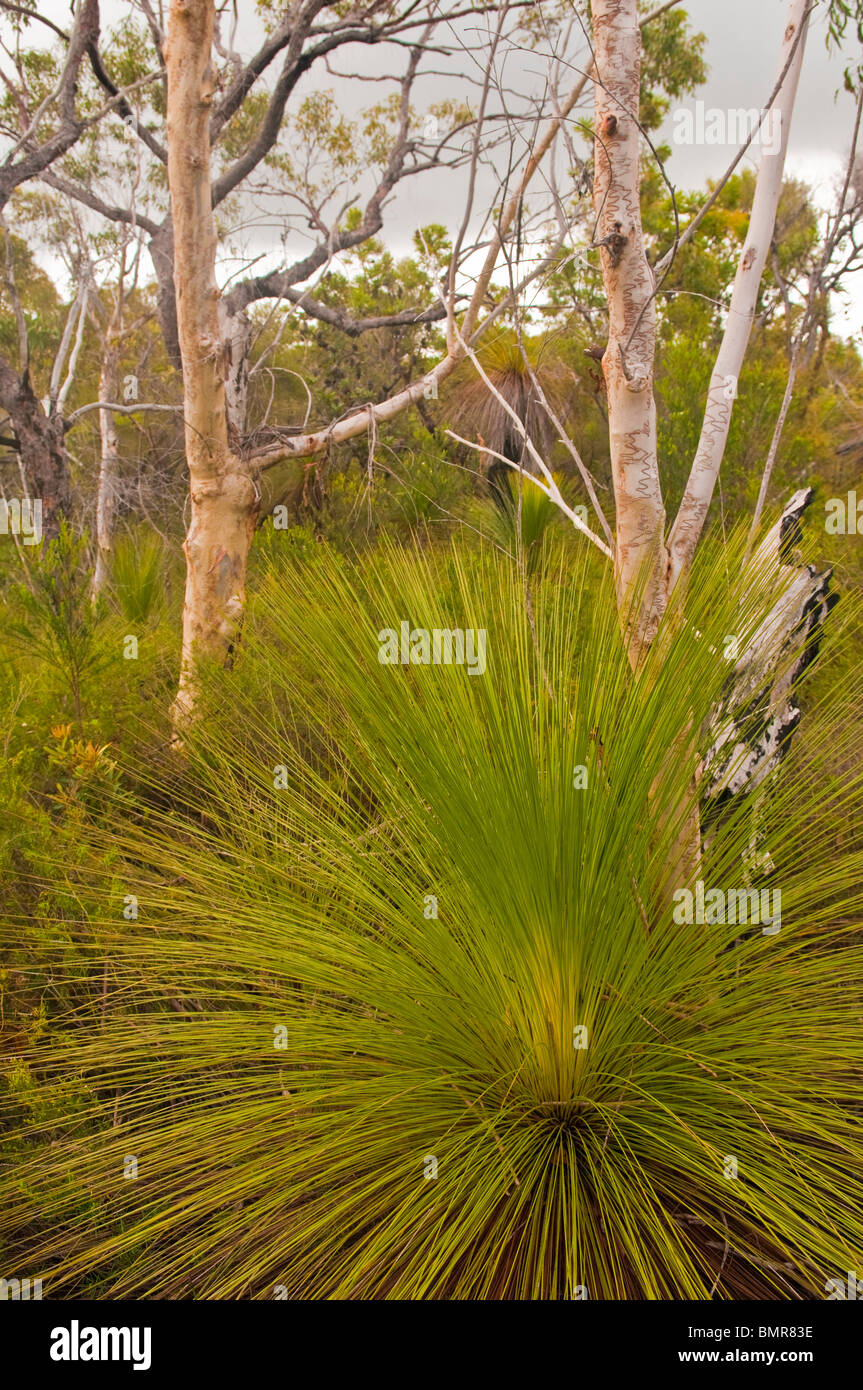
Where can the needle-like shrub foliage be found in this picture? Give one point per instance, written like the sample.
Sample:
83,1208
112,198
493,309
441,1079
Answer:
400,1006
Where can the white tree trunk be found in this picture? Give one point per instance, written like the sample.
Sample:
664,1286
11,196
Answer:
109,460
628,361
223,496
723,384
645,570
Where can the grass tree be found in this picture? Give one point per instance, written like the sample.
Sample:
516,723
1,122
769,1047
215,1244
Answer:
381,992
404,1010
517,371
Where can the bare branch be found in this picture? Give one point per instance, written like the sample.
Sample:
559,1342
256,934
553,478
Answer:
120,409
85,31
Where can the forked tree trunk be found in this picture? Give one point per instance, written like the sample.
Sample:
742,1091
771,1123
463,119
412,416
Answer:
646,567
223,496
213,349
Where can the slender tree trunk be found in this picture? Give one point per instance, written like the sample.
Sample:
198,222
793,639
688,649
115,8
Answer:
109,460
741,314
773,450
223,496
641,560
646,569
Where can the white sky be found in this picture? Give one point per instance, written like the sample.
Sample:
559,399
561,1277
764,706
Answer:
742,49
743,38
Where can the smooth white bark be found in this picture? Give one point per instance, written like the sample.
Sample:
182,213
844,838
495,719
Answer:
741,315
109,460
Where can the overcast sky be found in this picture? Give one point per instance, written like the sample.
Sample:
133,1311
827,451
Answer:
742,54
742,51
743,40
742,48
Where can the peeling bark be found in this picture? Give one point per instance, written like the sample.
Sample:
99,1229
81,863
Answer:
237,336
646,569
750,730
223,495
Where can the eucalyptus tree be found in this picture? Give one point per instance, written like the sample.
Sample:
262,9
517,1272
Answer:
644,554
258,145
228,480
246,140
651,557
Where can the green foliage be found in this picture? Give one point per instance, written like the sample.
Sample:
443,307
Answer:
842,16
40,305
522,525
672,65
57,621
138,572
414,1035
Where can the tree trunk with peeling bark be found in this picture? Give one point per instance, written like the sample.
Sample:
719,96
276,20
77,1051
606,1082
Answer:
213,344
226,480
223,495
